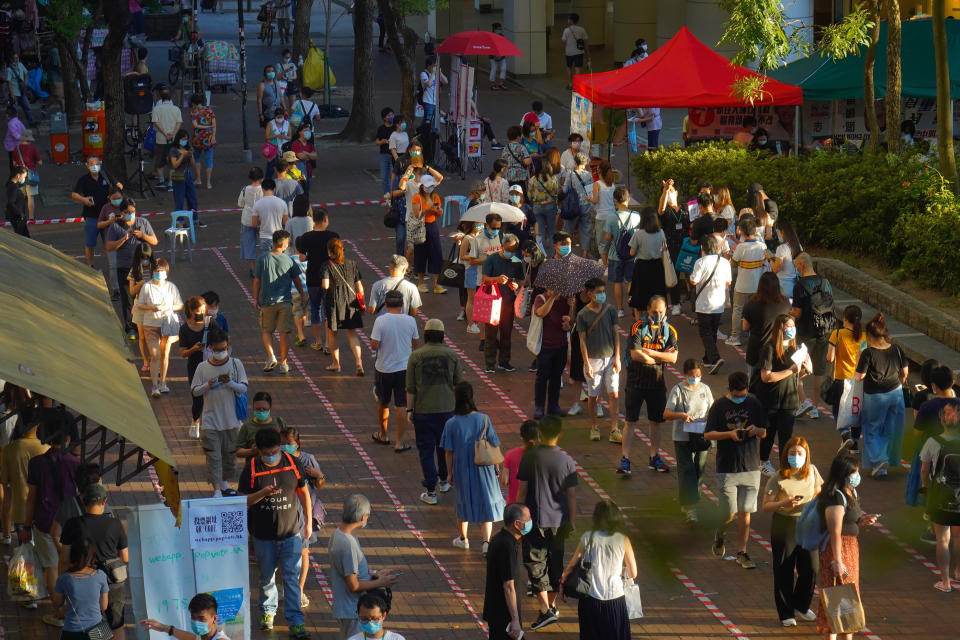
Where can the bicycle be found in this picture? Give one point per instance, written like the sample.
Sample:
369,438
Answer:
186,61
265,17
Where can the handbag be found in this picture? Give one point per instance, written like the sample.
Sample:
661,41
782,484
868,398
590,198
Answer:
452,272
523,302
239,399
669,273
416,230
844,610
33,178
268,151
487,304
116,570
535,334
99,631
170,325
631,595
577,583
829,392
485,453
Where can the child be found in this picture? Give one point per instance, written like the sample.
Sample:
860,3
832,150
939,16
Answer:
213,309
511,461
372,612
290,439
203,621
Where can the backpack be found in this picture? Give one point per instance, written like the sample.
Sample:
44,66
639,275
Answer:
811,531
570,208
823,319
687,257
943,494
623,239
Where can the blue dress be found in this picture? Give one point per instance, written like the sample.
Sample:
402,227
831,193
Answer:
478,493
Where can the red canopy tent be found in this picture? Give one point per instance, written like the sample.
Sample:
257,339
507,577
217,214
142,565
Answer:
682,73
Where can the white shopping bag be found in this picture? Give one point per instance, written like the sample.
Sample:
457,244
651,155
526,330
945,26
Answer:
631,594
851,404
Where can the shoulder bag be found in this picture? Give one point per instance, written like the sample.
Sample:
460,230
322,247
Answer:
669,273
486,454
239,399
577,583
99,631
383,302
452,272
703,285
33,178
357,295
416,228
535,334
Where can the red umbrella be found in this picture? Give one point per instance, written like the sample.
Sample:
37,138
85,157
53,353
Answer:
478,43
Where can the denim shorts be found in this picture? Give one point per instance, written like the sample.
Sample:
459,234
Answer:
90,232
620,270
204,157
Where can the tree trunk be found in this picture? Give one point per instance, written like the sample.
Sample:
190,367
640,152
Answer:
118,22
362,124
72,85
869,95
301,33
893,76
402,41
948,162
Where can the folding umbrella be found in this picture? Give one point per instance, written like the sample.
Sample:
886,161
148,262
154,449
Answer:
568,275
508,213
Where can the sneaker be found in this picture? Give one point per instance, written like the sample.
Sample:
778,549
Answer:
546,619
789,622
53,621
714,368
461,543
270,364
30,604
595,434
675,310
194,430
806,616
814,413
718,543
507,367
155,392
299,632
556,411
473,327
461,316
283,368
538,414
616,436
444,486
745,561
623,468
428,497
805,406
164,388
490,370
879,471
266,622
422,289
484,547
767,469
304,600
928,536
229,493
202,225
575,409
733,342
170,187
657,464
533,365
496,147
439,289
721,335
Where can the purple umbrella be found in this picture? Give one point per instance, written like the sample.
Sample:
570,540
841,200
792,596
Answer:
568,275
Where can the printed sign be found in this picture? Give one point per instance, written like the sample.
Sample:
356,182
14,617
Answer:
229,603
215,526
474,138
581,118
848,118
724,122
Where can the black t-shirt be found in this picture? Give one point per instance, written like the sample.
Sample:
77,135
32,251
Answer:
775,395
851,514
313,244
725,415
548,472
104,531
97,187
503,564
656,337
275,517
383,133
882,367
496,265
702,225
761,315
188,338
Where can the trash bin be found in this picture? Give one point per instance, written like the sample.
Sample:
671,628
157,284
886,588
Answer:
59,138
94,128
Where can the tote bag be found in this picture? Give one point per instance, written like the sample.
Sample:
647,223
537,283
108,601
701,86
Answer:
452,272
843,607
669,273
487,304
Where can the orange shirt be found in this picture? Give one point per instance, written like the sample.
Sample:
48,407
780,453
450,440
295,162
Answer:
431,209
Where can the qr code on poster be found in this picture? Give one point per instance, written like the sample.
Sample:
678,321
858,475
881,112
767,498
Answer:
232,522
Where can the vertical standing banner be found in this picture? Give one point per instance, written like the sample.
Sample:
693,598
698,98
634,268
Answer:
581,118
474,138
208,554
454,87
464,93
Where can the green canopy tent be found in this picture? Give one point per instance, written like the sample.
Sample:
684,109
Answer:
828,79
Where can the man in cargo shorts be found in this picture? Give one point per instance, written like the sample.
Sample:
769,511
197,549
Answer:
273,276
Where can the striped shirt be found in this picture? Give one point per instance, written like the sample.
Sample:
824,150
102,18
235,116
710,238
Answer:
749,256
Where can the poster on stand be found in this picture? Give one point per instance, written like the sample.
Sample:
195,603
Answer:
474,138
581,118
464,93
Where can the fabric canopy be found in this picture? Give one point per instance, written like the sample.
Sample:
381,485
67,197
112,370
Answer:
60,336
682,73
828,79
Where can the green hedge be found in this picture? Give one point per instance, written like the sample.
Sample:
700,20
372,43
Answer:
893,208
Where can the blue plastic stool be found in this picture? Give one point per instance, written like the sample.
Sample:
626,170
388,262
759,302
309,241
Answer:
462,203
177,216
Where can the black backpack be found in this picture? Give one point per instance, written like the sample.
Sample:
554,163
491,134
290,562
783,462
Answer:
822,318
943,494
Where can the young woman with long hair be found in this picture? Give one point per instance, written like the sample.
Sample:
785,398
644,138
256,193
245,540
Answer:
341,280
759,313
781,262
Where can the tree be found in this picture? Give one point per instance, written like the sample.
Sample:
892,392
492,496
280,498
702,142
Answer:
118,23
68,21
894,76
869,95
402,41
948,162
362,124
301,29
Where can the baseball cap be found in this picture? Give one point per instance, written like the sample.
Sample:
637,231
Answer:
515,189
94,494
433,324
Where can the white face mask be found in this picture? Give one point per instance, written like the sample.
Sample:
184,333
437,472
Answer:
220,355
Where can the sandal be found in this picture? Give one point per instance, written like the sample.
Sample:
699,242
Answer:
405,447
380,440
145,368
333,368
939,587
316,346
299,343
359,372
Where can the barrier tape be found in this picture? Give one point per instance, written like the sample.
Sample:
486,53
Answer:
587,478
368,462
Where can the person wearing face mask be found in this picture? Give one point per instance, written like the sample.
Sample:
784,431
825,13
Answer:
306,152
554,310
625,222
794,568
774,382
277,132
182,172
737,421
144,262
110,213
399,139
16,212
505,270
193,343
262,418
212,298
203,619
269,96
372,613
92,191
158,299
761,142
504,574
687,405
350,575
286,70
166,118
428,255
599,347
290,443
125,234
275,486
496,185
839,508
204,134
517,157
382,141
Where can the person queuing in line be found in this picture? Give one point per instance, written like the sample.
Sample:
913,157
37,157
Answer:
940,487
382,141
109,214
504,270
599,346
940,392
397,269
478,494
274,275
192,341
748,257
203,620
815,334
432,81
737,421
159,300
675,222
167,119
394,337
313,247
495,184
204,139
543,191
212,298
622,224
277,134
503,578
80,595
602,614
127,232
16,211
759,314
781,262
548,487
651,345
372,613
845,344
517,157
647,245
249,234
428,255
511,459
182,173
92,191
263,418
469,231
710,280
554,311
433,372
343,303
217,380
580,179
883,368
688,403
274,485
794,568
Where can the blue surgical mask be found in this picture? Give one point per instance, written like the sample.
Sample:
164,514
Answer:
478,227
271,460
796,462
527,528
116,202
184,142
515,199
693,381
159,276
271,75
289,448
737,399
287,59
307,135
403,126
491,233
600,297
199,627
129,217
371,627
564,250
508,254
789,333
262,416
94,168
855,480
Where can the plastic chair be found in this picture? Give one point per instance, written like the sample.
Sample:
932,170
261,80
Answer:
461,201
184,216
181,236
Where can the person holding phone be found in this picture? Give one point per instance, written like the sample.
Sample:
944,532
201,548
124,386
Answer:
192,342
794,568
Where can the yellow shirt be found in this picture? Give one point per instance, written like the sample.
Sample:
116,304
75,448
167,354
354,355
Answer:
848,352
780,487
16,457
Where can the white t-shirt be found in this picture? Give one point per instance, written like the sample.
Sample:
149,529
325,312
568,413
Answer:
546,122
427,81
165,296
399,141
409,291
714,293
270,211
395,333
219,405
567,163
788,271
570,36
749,256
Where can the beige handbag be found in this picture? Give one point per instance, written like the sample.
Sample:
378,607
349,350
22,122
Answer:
484,453
843,608
669,273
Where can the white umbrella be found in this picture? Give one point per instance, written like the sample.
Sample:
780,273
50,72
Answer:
508,213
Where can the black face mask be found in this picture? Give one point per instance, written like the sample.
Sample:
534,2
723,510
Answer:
198,317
